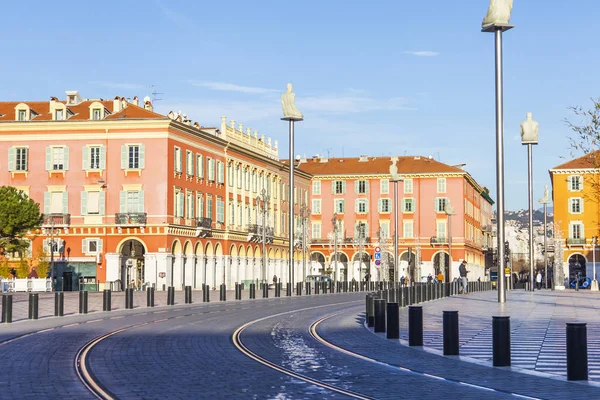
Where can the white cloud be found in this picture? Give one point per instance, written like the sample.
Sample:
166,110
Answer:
423,53
115,85
231,87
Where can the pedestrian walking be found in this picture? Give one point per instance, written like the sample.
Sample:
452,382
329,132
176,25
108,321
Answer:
429,278
440,277
538,280
462,270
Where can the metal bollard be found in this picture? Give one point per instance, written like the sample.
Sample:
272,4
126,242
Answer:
317,287
415,326
277,290
298,288
239,291
206,293
450,327
128,296
501,341
237,285
83,302
7,302
252,291
288,289
106,300
393,321
379,315
307,288
222,292
150,297
170,295
188,294
577,357
33,305
59,304
265,290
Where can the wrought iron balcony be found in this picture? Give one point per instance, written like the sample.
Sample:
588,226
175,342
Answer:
487,228
438,240
575,241
256,233
204,223
56,220
130,219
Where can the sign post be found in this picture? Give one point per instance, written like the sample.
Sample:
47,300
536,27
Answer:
377,258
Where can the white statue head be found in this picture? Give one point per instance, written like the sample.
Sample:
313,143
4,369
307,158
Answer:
529,116
289,87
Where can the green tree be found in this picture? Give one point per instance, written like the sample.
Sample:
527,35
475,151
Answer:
19,215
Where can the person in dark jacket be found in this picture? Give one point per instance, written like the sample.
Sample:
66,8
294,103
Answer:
462,270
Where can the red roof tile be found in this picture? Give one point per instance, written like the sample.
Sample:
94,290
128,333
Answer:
590,160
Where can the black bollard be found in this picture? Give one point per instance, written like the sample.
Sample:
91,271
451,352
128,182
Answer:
240,288
501,341
317,287
106,300
277,290
450,327
415,326
299,289
222,292
252,291
83,302
265,290
577,357
288,289
236,286
7,301
33,305
150,297
307,288
379,315
59,304
393,321
128,294
190,300
206,293
170,295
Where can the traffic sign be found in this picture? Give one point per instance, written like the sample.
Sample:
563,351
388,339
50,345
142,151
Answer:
377,249
377,262
377,256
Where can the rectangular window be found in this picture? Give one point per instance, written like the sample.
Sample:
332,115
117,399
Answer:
177,159
385,229
440,204
575,183
361,206
21,158
441,229
576,205
220,210
199,205
246,179
133,157
441,185
576,231
210,165
409,205
56,203
230,173
189,207
96,114
209,207
408,186
339,187
316,187
316,230
384,205
91,246
385,186
339,205
93,202
58,158
94,160
189,163
59,115
239,176
361,187
200,166
254,181
22,116
133,201
408,229
316,206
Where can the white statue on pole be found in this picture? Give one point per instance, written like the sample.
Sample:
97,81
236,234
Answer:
288,102
529,130
498,13
546,198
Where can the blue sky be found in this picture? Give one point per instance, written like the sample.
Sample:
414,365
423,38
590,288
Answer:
379,78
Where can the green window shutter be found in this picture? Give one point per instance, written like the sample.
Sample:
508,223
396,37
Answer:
46,202
84,246
367,186
333,187
180,204
102,157
356,205
344,187
66,159
84,203
99,245
123,201
48,158
141,201
124,157
11,159
102,204
142,156
65,205
175,166
379,205
85,158
356,186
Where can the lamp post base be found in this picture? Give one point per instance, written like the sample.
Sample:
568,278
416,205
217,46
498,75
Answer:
594,287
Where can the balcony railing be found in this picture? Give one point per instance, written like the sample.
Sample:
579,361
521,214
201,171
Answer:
56,220
486,228
130,219
204,223
576,241
256,233
438,240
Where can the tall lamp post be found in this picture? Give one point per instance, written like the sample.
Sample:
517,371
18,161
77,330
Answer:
529,137
361,238
449,210
395,178
497,21
594,281
262,203
304,215
291,114
335,221
545,200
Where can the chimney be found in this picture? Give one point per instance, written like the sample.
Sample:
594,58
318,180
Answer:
148,104
136,102
53,101
223,124
363,159
124,103
116,105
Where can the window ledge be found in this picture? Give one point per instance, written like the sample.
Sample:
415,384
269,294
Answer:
133,170
13,173
57,172
93,171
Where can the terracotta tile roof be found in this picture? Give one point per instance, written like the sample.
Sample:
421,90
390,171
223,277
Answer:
376,165
590,160
79,111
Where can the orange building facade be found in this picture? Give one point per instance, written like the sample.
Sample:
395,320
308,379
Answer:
432,238
134,198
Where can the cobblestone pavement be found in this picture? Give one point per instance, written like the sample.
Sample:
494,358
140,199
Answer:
187,351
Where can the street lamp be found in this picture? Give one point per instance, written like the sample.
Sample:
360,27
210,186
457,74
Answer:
51,229
361,240
395,178
497,21
304,215
529,137
545,200
449,210
594,281
262,204
335,221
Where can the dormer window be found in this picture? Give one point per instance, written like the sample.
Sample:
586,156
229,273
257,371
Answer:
96,114
60,115
71,99
22,115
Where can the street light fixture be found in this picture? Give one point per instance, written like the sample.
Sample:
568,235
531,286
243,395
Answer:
304,215
449,210
529,137
396,178
545,200
262,204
